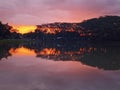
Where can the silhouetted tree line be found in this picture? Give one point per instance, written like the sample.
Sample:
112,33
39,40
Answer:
102,28
102,57
6,32
63,35
5,49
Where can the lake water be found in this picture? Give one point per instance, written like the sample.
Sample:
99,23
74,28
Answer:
60,66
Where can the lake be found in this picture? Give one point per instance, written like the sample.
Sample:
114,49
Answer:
60,66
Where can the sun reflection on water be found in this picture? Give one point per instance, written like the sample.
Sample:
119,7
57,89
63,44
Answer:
22,51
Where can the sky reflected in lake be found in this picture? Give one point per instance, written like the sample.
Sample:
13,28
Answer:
58,69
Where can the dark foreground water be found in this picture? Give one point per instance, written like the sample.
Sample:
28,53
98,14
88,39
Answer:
60,66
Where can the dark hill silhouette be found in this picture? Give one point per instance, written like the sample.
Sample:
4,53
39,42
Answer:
96,29
103,28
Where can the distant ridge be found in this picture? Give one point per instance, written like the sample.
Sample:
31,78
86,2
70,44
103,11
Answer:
102,28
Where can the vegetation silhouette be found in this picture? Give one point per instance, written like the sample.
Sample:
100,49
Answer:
106,57
7,32
5,46
105,28
70,41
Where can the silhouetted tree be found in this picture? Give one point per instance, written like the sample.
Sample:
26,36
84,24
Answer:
5,32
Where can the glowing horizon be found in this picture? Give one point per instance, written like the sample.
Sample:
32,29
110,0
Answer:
24,28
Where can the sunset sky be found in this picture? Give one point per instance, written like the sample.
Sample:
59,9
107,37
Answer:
34,12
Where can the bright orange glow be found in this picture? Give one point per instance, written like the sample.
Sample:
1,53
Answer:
51,51
24,28
22,51
49,30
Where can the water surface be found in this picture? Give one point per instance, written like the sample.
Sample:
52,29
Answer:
56,66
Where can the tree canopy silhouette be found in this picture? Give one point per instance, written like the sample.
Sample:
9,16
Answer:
5,32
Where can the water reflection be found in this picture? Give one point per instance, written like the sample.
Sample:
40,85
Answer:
21,51
103,56
4,49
